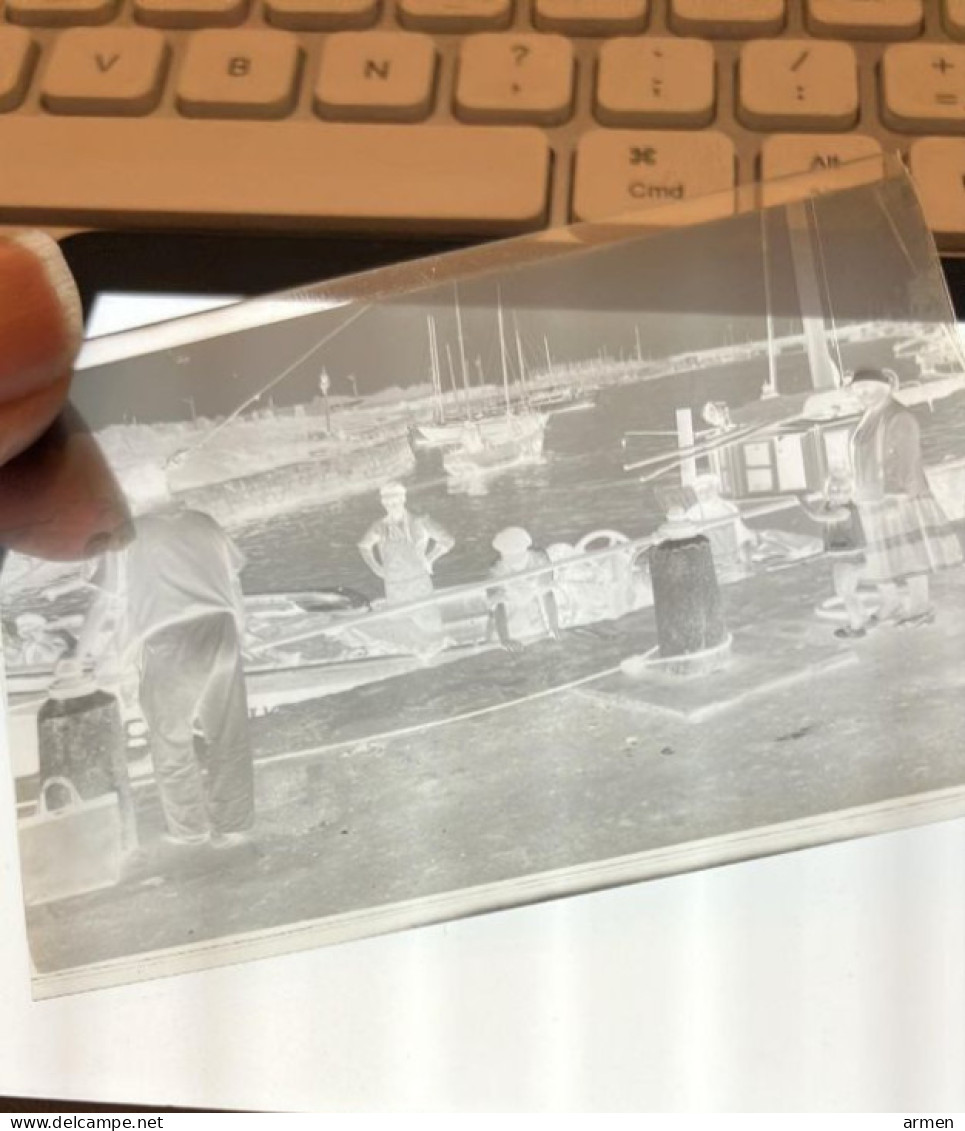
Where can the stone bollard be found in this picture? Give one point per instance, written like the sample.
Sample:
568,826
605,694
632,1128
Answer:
692,637
80,737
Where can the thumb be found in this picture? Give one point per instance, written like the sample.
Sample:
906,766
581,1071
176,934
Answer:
41,326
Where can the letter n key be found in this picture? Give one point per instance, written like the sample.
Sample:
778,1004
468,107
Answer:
378,75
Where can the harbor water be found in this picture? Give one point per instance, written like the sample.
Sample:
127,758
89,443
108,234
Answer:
580,485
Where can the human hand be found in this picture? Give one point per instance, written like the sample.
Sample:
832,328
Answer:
41,325
58,498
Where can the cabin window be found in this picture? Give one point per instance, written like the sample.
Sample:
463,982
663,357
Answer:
791,471
759,461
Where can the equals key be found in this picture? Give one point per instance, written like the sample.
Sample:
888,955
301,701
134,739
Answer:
918,96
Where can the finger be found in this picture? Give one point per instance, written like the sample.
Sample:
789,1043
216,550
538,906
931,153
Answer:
24,419
59,499
41,322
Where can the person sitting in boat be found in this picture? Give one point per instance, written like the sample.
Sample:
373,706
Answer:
731,540
734,544
523,608
402,548
717,415
844,544
907,534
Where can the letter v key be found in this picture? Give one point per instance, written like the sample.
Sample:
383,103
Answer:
105,62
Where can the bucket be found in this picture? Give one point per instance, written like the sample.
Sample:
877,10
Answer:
71,850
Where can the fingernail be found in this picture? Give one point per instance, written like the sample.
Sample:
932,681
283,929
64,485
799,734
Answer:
51,258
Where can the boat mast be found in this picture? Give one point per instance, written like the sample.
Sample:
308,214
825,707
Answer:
462,351
824,372
436,375
770,388
502,352
523,385
452,378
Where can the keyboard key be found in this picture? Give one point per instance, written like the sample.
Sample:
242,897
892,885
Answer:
621,171
818,163
239,74
455,15
190,13
321,15
169,171
923,87
61,13
788,84
602,17
655,81
954,13
17,52
515,78
938,169
865,19
376,74
727,19
105,71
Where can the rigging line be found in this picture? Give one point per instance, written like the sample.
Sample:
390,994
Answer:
951,332
277,380
768,306
827,286
878,198
435,724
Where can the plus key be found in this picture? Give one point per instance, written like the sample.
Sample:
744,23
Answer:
923,88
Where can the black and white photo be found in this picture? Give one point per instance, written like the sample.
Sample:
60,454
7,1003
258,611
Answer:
600,563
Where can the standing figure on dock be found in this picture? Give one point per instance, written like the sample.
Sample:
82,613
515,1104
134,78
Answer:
402,548
843,544
169,586
907,533
523,609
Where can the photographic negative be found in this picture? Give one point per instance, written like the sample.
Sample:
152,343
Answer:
563,564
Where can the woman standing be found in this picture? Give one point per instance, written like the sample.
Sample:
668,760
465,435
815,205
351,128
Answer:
907,534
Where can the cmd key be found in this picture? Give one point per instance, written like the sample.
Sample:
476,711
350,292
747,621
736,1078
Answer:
176,173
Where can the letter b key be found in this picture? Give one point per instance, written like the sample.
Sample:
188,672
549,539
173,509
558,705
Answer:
239,74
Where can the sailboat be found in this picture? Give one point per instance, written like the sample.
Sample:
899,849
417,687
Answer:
495,443
443,430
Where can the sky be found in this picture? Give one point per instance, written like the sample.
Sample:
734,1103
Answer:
681,290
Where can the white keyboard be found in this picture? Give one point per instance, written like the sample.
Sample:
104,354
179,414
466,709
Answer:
461,116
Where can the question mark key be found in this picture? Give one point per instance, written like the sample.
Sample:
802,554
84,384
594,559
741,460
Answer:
515,78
